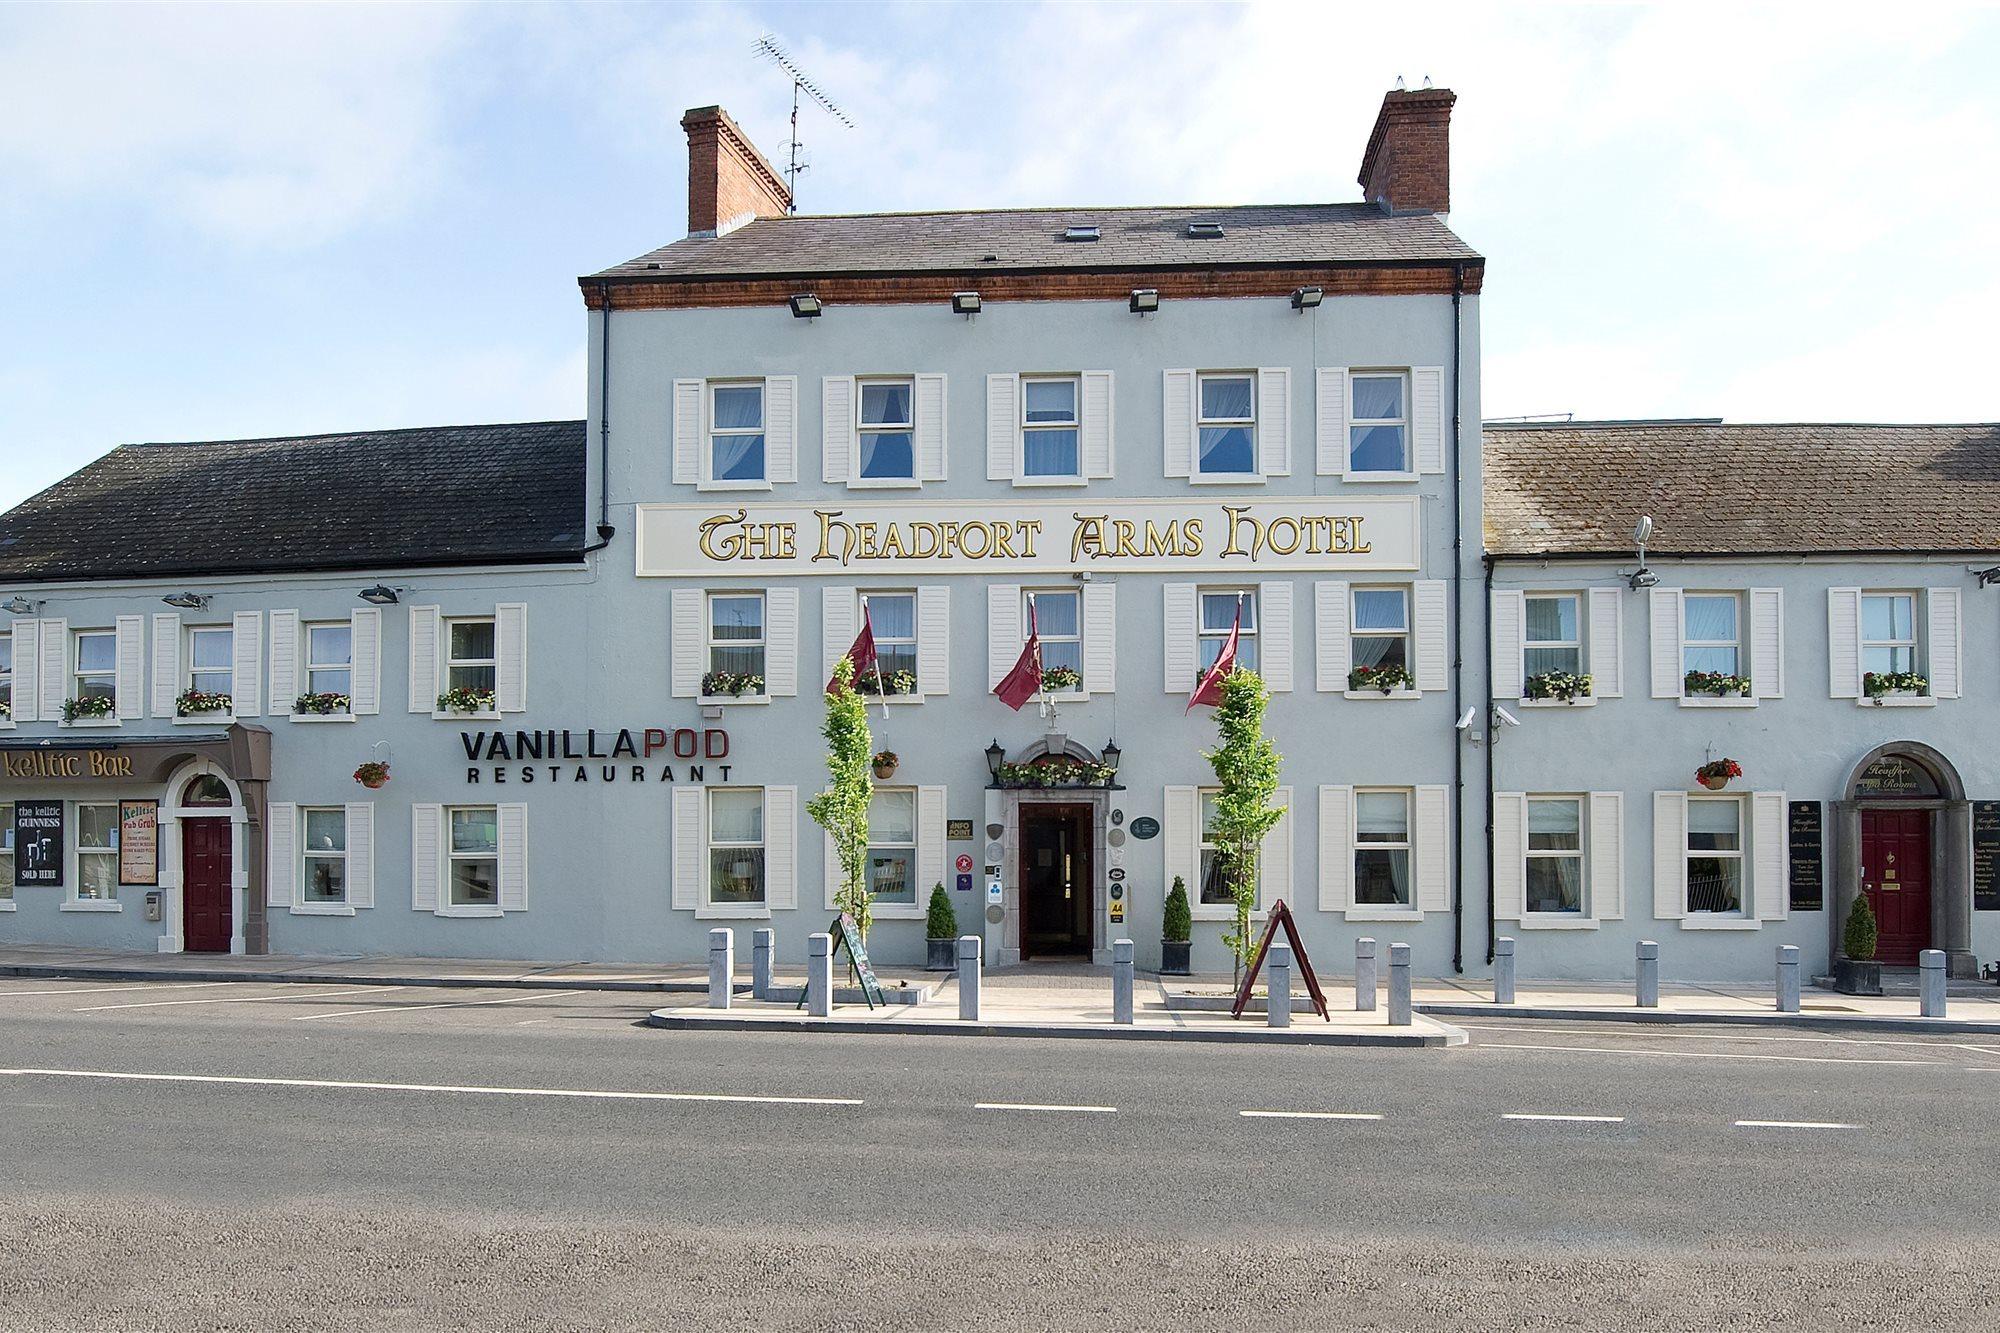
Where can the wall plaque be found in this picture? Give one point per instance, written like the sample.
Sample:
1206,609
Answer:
1808,856
958,830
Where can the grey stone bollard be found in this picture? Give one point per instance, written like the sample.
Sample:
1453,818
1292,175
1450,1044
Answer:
1278,986
1503,970
1930,983
1788,978
1399,985
721,967
968,977
763,945
1121,981
1364,974
1649,974
819,975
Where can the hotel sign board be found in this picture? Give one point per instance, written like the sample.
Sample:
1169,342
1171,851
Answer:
1294,533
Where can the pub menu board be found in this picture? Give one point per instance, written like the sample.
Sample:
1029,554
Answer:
139,844
1808,837
1986,856
38,843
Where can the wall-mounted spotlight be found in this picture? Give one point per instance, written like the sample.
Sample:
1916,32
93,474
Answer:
380,595
1307,298
1145,300
1642,532
20,606
804,306
965,303
187,601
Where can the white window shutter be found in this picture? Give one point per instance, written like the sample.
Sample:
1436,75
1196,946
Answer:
511,825
1274,628
1274,856
1670,811
687,432
425,629
54,667
1767,642
1274,422
1605,849
1843,643
781,848
781,428
246,667
836,429
1177,416
1605,642
781,642
1178,622
1770,889
1336,849
1945,631
1334,650
1510,611
281,857
930,840
1433,850
933,639
840,621
1433,634
930,427
1427,417
687,660
285,679
167,664
131,668
1181,840
1510,855
360,854
690,850
1100,637
1668,677
27,670
1004,632
1096,424
510,647
1330,416
426,856
1003,425
365,676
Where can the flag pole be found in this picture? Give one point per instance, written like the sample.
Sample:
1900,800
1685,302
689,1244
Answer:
876,653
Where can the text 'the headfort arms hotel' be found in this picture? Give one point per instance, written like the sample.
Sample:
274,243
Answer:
591,654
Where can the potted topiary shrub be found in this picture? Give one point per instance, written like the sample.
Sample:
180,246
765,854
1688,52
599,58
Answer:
1855,971
1176,932
941,933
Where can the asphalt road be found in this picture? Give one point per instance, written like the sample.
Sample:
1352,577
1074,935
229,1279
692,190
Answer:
338,1158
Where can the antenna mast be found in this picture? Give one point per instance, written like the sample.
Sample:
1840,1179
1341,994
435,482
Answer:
767,47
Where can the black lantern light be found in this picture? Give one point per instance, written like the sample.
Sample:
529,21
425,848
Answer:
996,754
1111,754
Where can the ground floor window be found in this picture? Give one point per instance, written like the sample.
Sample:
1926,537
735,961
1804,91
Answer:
1555,854
1214,885
325,881
474,856
892,845
1715,854
97,852
1382,848
736,845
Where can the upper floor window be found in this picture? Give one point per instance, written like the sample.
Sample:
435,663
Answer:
1058,619
887,430
735,644
1711,640
1049,428
736,432
96,673
1218,613
330,658
1381,629
1382,848
6,677
1555,854
474,855
736,845
470,663
1888,633
1552,642
1379,426
893,615
1714,854
1226,427
211,661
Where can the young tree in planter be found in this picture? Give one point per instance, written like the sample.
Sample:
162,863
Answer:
1246,770
842,809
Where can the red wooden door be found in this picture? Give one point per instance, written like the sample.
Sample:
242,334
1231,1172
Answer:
205,885
1896,876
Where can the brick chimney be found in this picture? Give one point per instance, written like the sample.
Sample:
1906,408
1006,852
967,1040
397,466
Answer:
729,182
1407,168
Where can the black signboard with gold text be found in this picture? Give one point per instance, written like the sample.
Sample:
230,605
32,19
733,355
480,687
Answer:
38,843
1986,856
1808,856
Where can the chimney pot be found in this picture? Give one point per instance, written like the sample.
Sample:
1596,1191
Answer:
729,182
1407,167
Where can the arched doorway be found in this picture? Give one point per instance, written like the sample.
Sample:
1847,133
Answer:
1905,829
208,817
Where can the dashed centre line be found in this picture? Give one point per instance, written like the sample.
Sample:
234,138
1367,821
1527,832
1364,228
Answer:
598,1094
1042,1106
1794,1124
1311,1115
418,1008
1570,1119
230,999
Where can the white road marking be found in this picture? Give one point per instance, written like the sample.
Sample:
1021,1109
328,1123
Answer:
229,999
1793,1124
1653,1032
598,1094
130,986
1311,1115
1039,1106
1704,1055
1572,1119
418,1008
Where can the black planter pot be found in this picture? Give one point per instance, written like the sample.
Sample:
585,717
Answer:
1853,976
1175,957
940,955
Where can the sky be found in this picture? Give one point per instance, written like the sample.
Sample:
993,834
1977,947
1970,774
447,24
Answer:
223,222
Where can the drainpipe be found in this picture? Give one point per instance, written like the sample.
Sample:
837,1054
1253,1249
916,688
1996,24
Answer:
1492,740
605,532
1458,639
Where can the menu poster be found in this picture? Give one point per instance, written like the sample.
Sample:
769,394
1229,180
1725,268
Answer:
1986,856
139,844
1808,856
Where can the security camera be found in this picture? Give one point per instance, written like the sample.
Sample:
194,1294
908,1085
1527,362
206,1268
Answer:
1466,721
1642,578
1506,717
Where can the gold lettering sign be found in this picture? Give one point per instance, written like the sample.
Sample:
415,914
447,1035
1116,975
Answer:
63,765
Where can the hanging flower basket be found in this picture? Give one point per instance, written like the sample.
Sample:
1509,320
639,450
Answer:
373,775
1715,774
885,764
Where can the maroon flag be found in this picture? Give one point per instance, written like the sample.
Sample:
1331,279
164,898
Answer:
1210,690
1025,680
862,654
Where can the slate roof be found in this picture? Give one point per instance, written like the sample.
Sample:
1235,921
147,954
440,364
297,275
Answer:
1715,488
1030,239
390,499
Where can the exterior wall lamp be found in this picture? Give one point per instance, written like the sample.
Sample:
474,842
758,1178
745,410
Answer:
1110,755
804,306
965,303
380,595
996,755
1307,298
187,601
19,606
1145,300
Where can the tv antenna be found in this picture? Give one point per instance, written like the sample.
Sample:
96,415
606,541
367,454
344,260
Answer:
767,47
